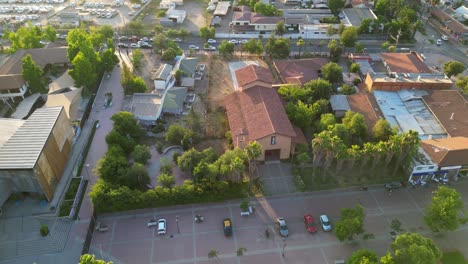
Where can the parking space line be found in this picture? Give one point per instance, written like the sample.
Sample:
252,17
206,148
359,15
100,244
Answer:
114,223
234,233
323,255
377,202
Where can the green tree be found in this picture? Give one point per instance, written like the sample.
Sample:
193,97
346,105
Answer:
335,50
175,133
121,140
169,54
415,249
26,37
136,177
226,49
300,114
189,160
356,125
240,251
347,89
90,259
232,163
213,254
327,120
382,131
363,256
266,9
253,151
135,27
126,124
355,67
277,48
161,13
50,33
32,75
300,43
136,58
453,68
351,223
444,212
294,93
107,31
141,154
166,180
204,170
280,29
83,72
319,89
253,46
108,59
207,33
462,83
160,43
136,84
336,6
113,166
332,72
348,37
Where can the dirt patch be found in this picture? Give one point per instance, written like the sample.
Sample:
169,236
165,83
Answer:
149,63
220,83
219,145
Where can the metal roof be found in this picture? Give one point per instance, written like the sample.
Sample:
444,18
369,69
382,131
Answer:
23,148
146,106
339,103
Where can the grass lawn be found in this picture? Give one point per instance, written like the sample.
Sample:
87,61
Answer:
453,257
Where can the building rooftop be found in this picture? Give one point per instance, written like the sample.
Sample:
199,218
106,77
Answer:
299,71
174,98
365,104
146,105
451,151
189,65
23,148
163,72
25,106
451,109
406,110
252,73
404,63
9,127
430,78
13,81
355,16
42,57
222,8
339,102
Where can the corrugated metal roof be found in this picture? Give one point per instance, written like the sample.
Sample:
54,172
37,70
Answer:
339,103
23,148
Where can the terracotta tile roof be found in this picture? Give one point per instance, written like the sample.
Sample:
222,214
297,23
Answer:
241,16
252,73
452,151
299,71
405,63
365,104
260,19
256,113
450,109
300,137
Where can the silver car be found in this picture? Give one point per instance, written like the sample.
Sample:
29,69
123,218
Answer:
326,225
282,227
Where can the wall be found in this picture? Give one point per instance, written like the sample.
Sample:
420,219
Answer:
265,27
20,180
397,86
282,142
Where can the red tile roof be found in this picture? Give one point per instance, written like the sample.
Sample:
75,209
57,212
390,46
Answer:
252,73
452,151
405,63
365,104
299,71
300,137
260,19
256,113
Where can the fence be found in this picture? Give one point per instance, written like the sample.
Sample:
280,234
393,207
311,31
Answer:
89,234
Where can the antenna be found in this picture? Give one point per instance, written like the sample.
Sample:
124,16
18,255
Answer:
451,116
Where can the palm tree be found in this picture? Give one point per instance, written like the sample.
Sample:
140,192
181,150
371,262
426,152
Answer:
300,42
409,147
320,147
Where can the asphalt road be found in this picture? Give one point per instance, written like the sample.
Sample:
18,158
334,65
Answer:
129,240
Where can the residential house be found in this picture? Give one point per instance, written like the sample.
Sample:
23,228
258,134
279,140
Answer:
166,4
449,154
451,25
339,104
244,20
163,78
255,113
222,8
34,152
355,16
189,66
146,107
173,102
301,71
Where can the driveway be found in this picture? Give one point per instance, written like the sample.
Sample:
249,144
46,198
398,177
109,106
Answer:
276,178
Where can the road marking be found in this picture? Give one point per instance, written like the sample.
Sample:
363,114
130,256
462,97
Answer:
377,202
234,234
114,223
323,255
194,240
414,201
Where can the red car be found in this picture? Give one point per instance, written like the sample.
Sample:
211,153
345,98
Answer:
310,224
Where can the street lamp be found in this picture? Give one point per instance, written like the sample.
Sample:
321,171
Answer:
87,173
177,222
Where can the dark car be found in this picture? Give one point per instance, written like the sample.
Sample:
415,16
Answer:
227,227
310,224
392,185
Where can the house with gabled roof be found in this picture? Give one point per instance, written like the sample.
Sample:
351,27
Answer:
255,113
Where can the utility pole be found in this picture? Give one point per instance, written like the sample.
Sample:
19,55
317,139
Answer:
397,38
177,222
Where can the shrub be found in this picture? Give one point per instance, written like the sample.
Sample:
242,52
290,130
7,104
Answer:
357,81
159,147
244,206
44,230
158,128
175,156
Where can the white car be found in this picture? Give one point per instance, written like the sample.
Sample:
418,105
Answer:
444,37
211,41
210,48
177,40
326,226
233,41
439,42
162,226
134,46
152,222
244,41
193,47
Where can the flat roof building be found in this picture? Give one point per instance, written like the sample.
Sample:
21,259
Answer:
422,81
222,8
355,16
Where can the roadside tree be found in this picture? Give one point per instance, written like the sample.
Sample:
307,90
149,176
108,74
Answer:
136,85
126,124
462,83
160,43
141,154
113,166
277,48
107,31
415,249
90,259
453,68
108,59
50,34
351,223
348,37
280,29
226,49
254,47
32,75
207,33
332,72
363,256
169,54
444,212
336,6
335,50
83,72
300,43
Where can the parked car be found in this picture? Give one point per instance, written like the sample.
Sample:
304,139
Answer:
136,6
146,46
210,48
122,45
244,41
227,227
282,227
193,47
162,226
211,41
134,46
326,225
233,41
177,40
152,222
444,37
392,185
310,223
439,42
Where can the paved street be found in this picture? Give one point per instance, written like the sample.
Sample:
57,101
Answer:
129,240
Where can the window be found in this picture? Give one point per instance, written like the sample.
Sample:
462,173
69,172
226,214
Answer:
273,140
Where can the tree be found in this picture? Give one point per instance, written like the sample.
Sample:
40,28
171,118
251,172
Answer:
277,48
327,120
26,37
113,166
175,134
135,27
226,48
160,43
332,72
351,223
453,68
166,180
240,251
232,163
126,124
213,254
462,83
347,89
335,50
253,46
443,213
318,89
136,58
382,130
348,37
336,6
266,9
136,177
50,33
108,59
169,54
189,160
363,256
415,249
355,67
115,138
136,85
207,33
253,151
300,114
300,43
107,31
141,154
90,259
83,72
280,29
356,125
32,75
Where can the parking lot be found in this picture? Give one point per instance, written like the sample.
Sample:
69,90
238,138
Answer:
129,240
